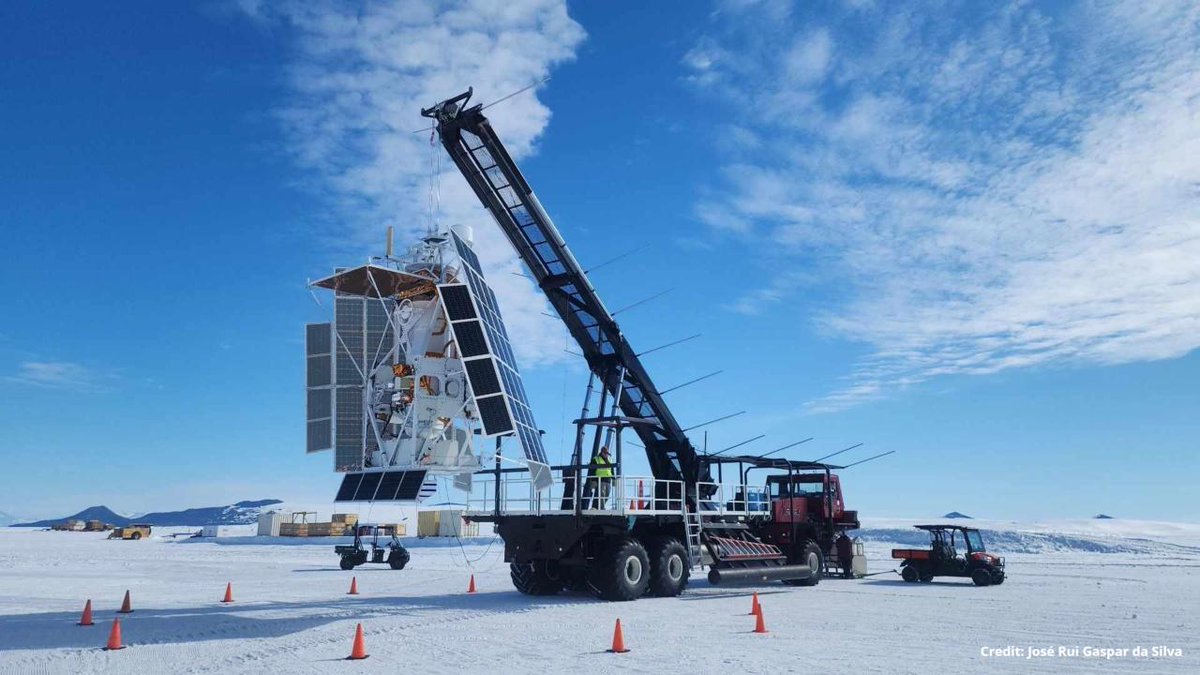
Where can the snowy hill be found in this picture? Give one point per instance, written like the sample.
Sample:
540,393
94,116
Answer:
240,513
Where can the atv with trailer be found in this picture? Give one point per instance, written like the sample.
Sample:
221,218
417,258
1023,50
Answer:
942,558
357,554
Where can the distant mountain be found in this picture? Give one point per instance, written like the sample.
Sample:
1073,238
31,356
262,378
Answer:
241,513
101,513
956,514
1102,516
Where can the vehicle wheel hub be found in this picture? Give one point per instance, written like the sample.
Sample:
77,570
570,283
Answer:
633,570
675,568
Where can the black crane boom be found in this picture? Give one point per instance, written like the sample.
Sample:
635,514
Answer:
490,171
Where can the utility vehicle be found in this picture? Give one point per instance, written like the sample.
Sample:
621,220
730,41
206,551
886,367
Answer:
942,558
381,539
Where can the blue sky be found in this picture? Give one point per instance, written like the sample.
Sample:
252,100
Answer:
970,236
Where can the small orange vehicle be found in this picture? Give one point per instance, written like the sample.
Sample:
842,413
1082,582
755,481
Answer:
942,559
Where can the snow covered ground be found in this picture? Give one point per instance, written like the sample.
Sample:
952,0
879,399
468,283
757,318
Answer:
1086,584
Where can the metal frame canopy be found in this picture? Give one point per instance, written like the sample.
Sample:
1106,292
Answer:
373,281
771,463
498,183
496,387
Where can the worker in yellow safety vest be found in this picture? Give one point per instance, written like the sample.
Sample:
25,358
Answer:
602,478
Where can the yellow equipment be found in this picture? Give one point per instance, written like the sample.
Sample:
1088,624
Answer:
135,531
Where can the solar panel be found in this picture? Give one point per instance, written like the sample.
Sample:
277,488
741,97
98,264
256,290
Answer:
349,487
368,486
386,486
389,485
319,376
458,304
482,373
494,415
491,367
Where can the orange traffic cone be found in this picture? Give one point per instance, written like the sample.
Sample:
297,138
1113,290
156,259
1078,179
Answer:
760,626
228,592
126,606
471,587
754,604
86,619
114,637
359,650
618,646
353,586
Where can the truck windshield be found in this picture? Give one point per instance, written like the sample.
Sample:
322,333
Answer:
780,489
974,541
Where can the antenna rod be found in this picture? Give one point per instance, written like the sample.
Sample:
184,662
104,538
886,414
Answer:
702,377
613,260
522,90
670,344
642,302
789,445
838,452
738,445
882,454
704,424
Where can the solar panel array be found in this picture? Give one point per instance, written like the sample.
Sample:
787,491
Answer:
362,335
383,486
487,356
319,377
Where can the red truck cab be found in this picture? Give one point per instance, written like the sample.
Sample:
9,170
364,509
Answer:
814,496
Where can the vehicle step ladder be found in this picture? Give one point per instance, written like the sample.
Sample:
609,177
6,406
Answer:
694,528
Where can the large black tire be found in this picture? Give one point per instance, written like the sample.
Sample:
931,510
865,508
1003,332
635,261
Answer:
909,574
135,536
981,577
997,578
669,566
926,576
398,558
811,556
346,563
621,572
539,577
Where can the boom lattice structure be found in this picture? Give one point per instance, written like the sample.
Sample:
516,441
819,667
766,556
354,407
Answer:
469,139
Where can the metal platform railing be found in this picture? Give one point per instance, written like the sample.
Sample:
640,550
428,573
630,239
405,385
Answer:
619,495
734,500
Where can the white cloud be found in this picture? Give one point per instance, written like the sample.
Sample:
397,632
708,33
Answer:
360,75
807,61
59,375
1000,192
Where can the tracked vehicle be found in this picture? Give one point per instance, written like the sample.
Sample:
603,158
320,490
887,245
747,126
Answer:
588,525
